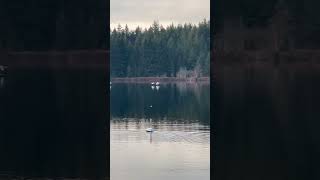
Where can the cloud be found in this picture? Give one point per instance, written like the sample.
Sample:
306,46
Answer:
144,12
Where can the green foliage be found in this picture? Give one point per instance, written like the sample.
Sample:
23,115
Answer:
159,51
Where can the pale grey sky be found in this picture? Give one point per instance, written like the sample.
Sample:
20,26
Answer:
144,12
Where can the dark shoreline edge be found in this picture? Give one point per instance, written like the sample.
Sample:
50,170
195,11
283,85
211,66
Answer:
87,59
160,79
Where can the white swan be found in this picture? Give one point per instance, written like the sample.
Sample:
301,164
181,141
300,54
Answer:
157,83
149,130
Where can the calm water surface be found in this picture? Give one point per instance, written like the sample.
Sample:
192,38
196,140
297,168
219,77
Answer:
179,148
267,122
53,124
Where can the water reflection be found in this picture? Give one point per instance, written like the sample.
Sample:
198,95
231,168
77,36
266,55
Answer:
52,124
174,102
1,82
178,147
267,122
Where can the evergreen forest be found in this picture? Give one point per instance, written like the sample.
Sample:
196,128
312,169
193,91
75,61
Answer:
173,51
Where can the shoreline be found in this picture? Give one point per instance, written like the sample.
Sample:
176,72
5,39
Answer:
160,79
83,59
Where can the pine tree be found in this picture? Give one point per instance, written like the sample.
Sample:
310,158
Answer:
159,51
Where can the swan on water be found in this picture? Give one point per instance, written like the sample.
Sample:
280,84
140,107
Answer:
157,83
149,129
152,83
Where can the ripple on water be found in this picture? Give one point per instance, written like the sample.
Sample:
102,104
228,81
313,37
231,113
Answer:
133,130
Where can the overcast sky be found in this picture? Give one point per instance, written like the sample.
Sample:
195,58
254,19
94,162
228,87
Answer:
144,12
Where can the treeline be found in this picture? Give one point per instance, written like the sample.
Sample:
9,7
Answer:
174,51
304,17
39,25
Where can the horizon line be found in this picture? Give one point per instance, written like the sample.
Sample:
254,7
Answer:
147,25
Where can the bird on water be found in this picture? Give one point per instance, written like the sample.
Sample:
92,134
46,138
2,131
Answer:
150,129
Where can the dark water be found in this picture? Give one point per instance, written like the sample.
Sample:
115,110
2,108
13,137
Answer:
53,124
267,123
179,148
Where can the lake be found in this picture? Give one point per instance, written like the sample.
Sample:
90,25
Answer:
266,121
179,147
53,124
